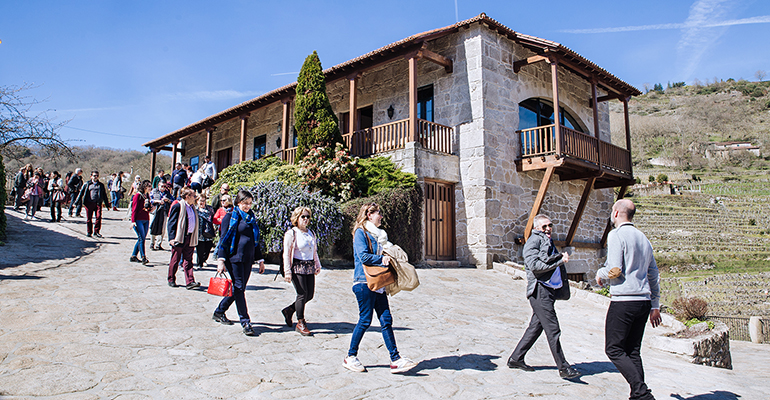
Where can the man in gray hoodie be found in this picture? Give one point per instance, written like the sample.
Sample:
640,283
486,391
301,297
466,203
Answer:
635,290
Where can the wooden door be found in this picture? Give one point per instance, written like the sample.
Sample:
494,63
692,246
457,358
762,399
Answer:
224,158
439,221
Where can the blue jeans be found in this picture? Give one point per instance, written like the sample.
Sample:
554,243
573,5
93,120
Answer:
368,302
115,199
141,233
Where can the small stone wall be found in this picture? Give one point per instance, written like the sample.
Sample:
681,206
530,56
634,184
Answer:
714,349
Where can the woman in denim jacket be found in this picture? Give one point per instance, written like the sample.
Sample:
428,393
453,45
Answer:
369,252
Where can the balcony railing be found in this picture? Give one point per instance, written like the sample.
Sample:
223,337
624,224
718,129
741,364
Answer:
541,141
391,136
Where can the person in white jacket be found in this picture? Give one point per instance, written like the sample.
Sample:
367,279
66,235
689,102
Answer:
301,265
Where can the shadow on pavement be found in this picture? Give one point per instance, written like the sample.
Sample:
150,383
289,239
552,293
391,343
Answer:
30,242
715,395
19,277
478,362
595,367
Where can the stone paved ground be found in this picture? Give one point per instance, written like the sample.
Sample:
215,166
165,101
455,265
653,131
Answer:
78,321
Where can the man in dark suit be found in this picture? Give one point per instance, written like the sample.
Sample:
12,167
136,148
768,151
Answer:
93,196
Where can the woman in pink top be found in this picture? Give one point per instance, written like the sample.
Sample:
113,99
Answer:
140,219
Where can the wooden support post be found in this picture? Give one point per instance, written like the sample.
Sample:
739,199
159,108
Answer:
412,99
579,212
603,242
628,133
596,123
556,114
538,201
174,154
244,125
353,114
152,163
210,140
285,127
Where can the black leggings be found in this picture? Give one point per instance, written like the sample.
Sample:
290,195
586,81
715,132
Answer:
203,249
304,284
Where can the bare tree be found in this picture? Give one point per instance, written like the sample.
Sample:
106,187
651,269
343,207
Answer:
21,127
760,75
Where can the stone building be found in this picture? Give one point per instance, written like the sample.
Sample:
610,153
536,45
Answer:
469,109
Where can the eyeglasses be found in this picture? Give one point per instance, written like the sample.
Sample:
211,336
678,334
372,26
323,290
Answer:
305,217
547,226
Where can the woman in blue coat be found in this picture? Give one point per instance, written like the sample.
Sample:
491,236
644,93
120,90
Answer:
238,249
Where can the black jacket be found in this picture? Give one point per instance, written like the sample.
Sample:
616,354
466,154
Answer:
83,193
247,251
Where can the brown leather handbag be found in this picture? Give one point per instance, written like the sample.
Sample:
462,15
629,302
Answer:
378,276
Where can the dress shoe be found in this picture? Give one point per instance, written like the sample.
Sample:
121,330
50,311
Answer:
145,261
287,313
302,328
133,259
519,365
221,318
249,331
192,285
569,373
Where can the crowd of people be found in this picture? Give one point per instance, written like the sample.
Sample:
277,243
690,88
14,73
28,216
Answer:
178,205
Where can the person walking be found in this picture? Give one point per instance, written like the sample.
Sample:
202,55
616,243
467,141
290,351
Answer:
93,196
206,231
196,181
34,186
226,207
161,201
237,251
183,237
635,295
56,195
179,178
140,219
158,179
546,283
366,250
74,184
131,192
19,186
216,201
209,168
301,265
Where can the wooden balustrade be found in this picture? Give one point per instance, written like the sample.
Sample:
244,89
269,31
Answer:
540,141
616,158
434,136
289,155
537,141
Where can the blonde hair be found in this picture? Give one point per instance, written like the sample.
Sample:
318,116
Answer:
297,213
363,215
226,199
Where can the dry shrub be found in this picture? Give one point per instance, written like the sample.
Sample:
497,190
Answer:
687,308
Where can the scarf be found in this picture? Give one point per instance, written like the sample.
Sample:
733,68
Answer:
236,216
380,235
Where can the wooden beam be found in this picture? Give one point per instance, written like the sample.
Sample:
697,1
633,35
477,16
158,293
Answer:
210,140
412,99
603,242
353,105
174,152
285,126
436,58
152,164
244,128
538,201
596,123
529,60
556,107
579,211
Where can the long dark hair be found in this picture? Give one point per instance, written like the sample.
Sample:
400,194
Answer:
242,195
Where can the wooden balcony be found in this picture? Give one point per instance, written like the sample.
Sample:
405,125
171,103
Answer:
391,136
579,156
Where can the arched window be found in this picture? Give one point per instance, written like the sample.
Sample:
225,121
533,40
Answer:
539,112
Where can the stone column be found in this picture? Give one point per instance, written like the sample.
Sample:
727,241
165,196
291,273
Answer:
755,330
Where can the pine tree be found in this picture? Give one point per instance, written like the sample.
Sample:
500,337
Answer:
314,118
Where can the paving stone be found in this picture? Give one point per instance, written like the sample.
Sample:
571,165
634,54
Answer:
48,380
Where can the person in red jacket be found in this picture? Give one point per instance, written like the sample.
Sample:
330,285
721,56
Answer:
140,219
227,206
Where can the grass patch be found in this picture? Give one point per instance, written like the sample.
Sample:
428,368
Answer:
722,264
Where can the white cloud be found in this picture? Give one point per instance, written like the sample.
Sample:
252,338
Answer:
679,25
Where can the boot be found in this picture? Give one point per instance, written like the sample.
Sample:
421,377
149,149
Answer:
302,328
287,314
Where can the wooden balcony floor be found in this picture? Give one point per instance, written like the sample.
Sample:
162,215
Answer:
568,168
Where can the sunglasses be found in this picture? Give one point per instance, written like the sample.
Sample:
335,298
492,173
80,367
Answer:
547,226
305,217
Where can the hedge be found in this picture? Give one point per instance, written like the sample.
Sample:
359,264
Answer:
401,209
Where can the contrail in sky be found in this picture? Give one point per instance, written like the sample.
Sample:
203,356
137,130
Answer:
679,25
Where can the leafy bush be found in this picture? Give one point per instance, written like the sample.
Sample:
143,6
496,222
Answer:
604,291
314,118
249,173
662,178
401,209
274,202
687,308
2,200
696,321
651,178
333,173
376,174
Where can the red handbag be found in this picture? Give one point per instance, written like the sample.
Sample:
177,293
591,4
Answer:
220,286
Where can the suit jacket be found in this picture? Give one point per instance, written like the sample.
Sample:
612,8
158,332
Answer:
540,262
83,193
177,223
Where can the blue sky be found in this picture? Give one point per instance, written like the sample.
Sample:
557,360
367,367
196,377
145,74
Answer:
125,72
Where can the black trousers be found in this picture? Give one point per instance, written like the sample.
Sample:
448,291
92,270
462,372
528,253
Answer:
304,284
543,319
623,332
203,250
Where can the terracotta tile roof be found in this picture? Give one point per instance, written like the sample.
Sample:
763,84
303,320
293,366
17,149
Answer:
576,62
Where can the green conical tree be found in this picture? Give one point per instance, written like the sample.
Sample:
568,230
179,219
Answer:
314,118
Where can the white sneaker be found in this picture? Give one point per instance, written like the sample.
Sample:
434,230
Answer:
352,363
403,364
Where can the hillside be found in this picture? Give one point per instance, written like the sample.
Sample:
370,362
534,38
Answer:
678,122
88,158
